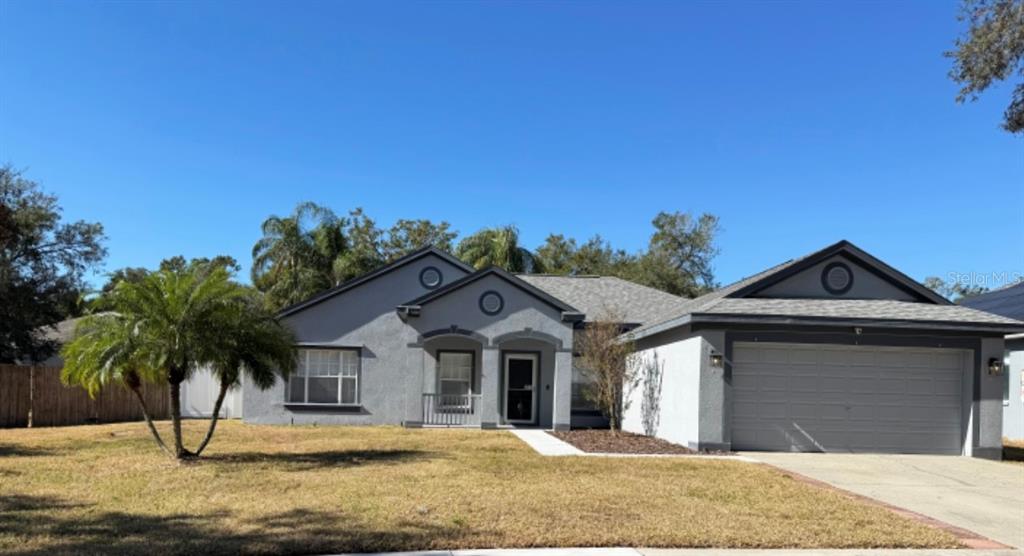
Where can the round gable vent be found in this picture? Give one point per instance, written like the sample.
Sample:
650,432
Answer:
430,277
837,278
491,303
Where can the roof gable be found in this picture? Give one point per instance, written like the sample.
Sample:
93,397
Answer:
569,313
741,299
372,275
869,278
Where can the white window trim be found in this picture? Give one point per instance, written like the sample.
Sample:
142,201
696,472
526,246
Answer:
468,382
304,351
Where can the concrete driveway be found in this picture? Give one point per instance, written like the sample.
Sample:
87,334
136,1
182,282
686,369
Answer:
986,497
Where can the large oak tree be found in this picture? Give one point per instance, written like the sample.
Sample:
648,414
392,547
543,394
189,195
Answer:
42,263
991,50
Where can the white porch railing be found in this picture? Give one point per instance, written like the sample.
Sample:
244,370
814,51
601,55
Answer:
451,410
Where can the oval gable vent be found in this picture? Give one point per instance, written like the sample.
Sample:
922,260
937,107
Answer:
837,278
430,277
491,303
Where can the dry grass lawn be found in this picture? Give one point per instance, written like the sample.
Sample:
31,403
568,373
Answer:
107,489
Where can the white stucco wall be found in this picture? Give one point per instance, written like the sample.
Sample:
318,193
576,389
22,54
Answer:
1013,407
673,409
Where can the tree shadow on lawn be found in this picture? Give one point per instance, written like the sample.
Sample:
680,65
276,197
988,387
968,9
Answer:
14,450
38,525
306,461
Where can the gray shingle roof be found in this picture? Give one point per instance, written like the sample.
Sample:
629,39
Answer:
599,295
1008,302
880,309
62,332
698,303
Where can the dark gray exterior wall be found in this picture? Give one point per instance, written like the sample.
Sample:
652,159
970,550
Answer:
807,283
988,413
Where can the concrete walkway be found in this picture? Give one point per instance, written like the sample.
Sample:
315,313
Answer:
700,552
986,497
546,444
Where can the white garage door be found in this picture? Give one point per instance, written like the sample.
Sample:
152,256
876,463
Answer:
809,398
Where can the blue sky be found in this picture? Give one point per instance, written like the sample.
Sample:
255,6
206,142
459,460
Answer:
181,126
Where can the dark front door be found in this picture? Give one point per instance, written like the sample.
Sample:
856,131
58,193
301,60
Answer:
520,388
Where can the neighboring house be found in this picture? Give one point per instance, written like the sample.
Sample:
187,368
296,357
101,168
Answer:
836,352
428,340
1008,302
198,393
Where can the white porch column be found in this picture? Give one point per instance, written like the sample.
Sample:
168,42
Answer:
563,390
490,386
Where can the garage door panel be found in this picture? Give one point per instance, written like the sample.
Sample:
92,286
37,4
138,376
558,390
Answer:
806,356
801,397
951,361
774,356
768,410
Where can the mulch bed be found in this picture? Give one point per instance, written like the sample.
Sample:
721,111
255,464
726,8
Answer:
606,441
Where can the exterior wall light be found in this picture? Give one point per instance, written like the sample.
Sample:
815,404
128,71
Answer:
716,359
995,366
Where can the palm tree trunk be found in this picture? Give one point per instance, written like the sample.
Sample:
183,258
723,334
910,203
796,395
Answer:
135,385
213,420
149,420
179,449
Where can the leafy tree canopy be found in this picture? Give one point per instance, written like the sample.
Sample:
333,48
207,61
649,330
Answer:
991,50
42,262
953,290
407,236
498,247
135,275
678,258
313,249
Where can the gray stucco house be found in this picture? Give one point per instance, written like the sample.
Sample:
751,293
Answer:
1008,302
836,351
428,340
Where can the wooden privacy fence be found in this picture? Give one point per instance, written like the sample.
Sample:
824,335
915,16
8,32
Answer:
35,397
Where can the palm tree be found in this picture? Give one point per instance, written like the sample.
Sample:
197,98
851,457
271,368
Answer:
171,323
498,247
106,352
292,261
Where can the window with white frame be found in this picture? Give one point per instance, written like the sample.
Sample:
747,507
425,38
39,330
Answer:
455,377
325,377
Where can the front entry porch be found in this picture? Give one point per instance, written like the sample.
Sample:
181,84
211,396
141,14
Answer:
520,380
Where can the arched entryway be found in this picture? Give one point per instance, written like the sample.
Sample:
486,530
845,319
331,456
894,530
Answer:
526,378
451,378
